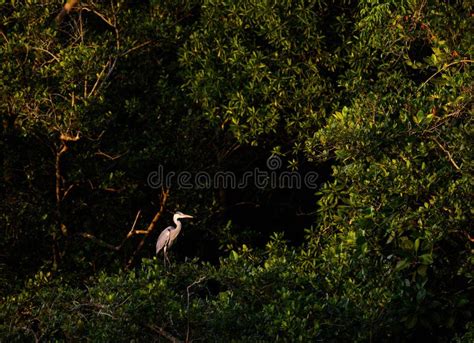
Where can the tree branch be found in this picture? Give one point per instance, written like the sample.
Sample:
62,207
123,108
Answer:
450,157
100,153
201,279
100,242
150,228
56,58
443,69
163,333
132,232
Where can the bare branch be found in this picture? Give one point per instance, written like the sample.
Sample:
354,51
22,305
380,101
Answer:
110,65
132,231
99,241
67,138
4,37
163,333
198,281
138,232
100,15
56,58
450,157
443,69
151,226
99,77
100,153
135,48
96,139
65,193
59,154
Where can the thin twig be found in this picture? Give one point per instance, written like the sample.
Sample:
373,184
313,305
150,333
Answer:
56,58
163,333
132,230
99,241
136,219
100,153
59,154
201,279
100,15
138,232
4,37
151,226
443,69
108,245
448,154
99,77
65,193
135,48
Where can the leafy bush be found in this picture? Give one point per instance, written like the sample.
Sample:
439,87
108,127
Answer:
94,99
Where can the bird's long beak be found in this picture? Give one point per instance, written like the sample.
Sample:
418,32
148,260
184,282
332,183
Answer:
187,216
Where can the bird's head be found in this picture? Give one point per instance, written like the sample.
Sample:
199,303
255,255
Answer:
181,215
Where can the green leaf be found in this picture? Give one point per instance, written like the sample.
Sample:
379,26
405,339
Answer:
421,270
402,264
234,255
426,259
417,244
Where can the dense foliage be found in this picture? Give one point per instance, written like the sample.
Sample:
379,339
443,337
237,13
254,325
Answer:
375,96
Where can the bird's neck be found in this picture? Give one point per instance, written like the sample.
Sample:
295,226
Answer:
178,224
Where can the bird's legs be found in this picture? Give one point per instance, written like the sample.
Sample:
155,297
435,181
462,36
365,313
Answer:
165,257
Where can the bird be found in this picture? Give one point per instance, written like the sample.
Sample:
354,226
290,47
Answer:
168,236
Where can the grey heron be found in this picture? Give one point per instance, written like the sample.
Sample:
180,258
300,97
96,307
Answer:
168,235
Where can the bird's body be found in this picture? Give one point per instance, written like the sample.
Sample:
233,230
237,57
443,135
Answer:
169,235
